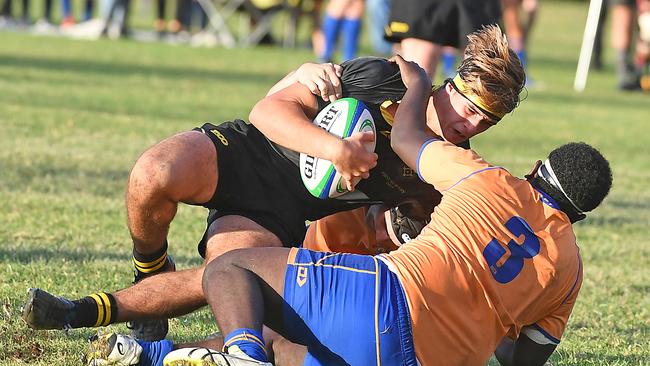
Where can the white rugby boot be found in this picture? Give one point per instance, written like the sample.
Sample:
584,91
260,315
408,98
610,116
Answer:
200,356
110,349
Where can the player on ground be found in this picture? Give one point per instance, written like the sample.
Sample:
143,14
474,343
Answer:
499,259
498,267
224,167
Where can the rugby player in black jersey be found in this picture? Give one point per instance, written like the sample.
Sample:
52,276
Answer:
248,176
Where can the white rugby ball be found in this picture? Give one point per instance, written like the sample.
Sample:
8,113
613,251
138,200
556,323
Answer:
341,118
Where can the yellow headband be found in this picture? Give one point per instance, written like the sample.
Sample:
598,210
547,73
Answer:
459,84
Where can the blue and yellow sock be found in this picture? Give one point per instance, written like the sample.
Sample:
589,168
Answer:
249,341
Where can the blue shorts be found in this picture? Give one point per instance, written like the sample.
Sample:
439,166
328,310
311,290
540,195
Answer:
347,309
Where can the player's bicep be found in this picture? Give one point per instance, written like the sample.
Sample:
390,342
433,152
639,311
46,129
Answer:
443,164
409,148
295,99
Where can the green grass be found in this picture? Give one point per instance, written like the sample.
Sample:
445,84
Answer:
75,115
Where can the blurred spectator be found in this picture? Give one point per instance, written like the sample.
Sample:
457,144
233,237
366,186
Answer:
642,57
66,11
317,38
378,15
623,12
160,24
44,24
7,16
342,16
179,26
202,37
116,18
88,11
518,19
448,60
423,27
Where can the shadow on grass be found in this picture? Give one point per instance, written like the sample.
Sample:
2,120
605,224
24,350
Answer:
122,69
29,255
40,174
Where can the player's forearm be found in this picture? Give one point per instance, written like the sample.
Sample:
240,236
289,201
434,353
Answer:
409,128
285,123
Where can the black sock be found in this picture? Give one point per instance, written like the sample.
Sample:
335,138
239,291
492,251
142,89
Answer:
148,264
95,310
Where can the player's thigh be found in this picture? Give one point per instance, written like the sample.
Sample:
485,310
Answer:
268,265
231,232
329,294
182,168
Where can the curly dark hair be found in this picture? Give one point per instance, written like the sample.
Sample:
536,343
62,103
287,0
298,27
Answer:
584,174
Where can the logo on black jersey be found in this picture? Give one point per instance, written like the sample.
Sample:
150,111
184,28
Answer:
220,136
407,172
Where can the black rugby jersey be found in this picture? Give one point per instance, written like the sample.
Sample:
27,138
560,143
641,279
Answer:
374,81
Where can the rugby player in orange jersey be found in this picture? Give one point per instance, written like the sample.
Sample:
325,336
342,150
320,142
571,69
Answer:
497,267
233,167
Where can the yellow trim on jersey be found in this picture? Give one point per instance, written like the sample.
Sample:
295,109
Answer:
399,27
148,267
388,117
100,310
377,312
463,89
291,260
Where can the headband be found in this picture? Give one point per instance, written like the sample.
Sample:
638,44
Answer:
548,175
459,84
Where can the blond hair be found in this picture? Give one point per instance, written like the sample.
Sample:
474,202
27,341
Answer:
492,71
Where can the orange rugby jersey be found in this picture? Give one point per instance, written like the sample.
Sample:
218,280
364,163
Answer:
496,256
346,232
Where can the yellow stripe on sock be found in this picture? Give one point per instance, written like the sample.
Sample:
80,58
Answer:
100,309
245,337
107,308
148,267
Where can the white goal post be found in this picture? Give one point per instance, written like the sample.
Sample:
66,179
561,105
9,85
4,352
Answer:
591,27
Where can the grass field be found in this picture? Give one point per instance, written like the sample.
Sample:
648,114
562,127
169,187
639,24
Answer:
74,116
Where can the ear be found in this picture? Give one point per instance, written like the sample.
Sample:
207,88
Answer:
450,89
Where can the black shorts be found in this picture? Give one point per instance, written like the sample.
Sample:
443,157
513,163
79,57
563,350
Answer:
444,22
258,183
